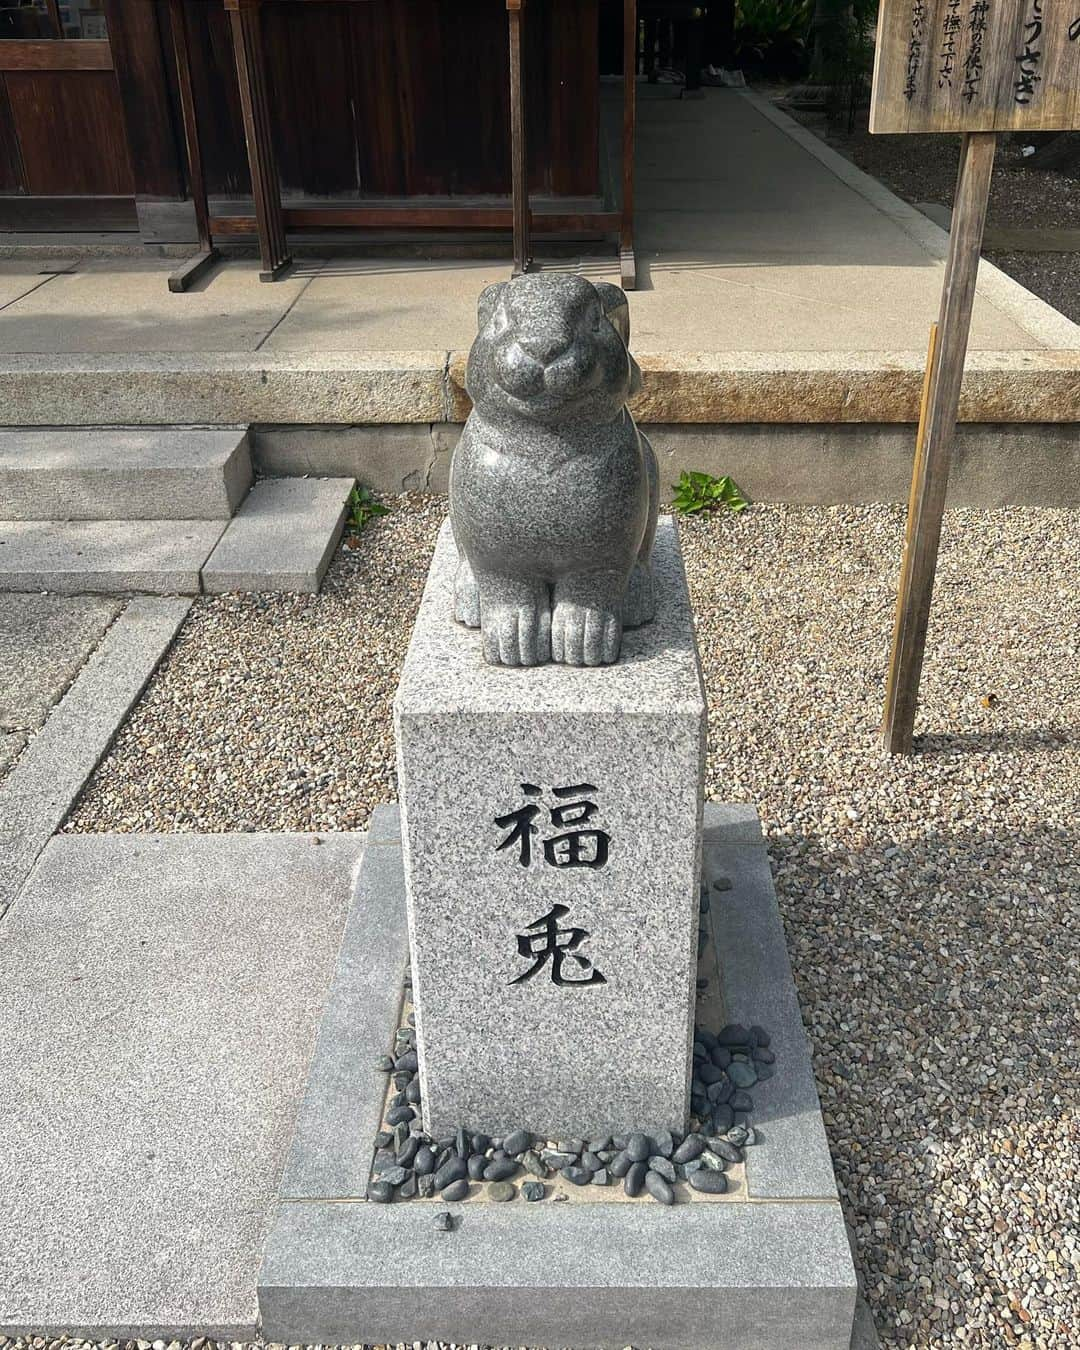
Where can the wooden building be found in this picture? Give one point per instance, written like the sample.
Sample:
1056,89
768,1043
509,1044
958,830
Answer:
189,119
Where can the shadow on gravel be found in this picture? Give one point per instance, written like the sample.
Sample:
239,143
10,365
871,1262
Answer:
986,742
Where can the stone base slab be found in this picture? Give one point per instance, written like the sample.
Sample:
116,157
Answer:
771,1269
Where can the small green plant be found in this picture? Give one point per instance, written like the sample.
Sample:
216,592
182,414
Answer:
702,492
361,507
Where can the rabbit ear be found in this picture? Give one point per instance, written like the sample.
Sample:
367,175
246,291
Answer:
616,307
485,306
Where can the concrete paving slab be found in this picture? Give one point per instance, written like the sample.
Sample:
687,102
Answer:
39,791
123,473
159,997
125,305
44,642
389,303
281,539
809,307
12,744
18,277
157,557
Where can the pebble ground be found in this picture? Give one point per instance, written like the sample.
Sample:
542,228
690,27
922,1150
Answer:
932,904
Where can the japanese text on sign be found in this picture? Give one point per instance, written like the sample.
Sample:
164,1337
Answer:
977,65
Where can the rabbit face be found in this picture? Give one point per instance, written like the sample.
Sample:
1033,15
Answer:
551,348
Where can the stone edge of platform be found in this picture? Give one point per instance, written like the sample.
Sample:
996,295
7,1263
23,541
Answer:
380,388
337,1269
44,783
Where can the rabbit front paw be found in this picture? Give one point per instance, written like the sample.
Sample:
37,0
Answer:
515,621
585,635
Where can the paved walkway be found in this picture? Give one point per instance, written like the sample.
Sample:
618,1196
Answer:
752,236
44,642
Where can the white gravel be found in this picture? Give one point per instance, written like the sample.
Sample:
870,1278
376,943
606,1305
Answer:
932,904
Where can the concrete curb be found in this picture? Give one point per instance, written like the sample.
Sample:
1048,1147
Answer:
381,388
42,787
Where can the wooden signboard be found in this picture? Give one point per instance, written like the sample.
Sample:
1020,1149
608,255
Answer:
977,65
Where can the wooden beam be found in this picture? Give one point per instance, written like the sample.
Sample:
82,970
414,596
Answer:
258,135
519,149
50,54
930,480
627,263
184,276
423,218
190,271
53,6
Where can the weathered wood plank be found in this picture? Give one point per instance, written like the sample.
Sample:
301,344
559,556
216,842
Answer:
931,476
977,65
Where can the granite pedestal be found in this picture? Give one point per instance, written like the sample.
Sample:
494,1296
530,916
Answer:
766,1265
552,835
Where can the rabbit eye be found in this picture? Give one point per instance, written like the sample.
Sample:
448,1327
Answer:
500,323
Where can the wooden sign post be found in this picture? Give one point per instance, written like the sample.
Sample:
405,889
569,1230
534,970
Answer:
977,67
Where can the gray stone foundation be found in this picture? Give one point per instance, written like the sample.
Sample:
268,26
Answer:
767,1265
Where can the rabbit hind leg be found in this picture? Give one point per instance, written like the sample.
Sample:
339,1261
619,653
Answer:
466,594
639,604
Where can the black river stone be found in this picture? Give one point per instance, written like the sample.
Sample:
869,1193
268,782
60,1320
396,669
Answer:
452,1170
709,1183
501,1169
635,1179
659,1188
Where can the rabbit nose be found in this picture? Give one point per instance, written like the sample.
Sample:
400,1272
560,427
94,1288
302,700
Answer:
548,344
518,372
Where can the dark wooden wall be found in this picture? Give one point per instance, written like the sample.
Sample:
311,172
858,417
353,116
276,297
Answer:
62,129
370,98
402,98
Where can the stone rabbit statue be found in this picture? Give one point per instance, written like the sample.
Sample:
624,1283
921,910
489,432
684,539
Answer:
553,489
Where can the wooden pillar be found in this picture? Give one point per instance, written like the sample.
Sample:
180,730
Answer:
258,135
519,148
184,276
931,477
627,264
53,7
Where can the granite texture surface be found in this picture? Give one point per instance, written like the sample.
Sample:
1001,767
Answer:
553,490
330,1156
552,824
281,539
759,1271
755,977
694,1277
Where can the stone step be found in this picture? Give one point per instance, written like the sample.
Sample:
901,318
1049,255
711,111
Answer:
282,538
159,557
123,473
